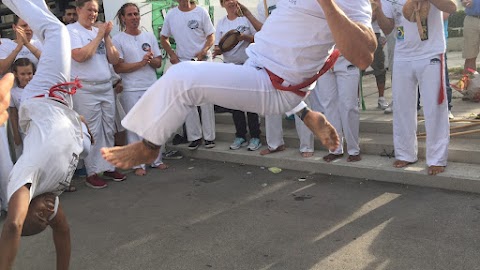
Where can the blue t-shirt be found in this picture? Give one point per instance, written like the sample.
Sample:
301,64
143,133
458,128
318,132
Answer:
474,10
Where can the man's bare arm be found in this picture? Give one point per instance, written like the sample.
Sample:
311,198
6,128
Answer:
6,84
448,6
12,228
356,41
61,239
385,23
165,42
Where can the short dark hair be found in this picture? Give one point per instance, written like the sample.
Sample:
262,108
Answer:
32,227
68,7
15,19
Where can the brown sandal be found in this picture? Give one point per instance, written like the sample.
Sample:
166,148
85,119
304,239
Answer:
332,157
268,151
354,158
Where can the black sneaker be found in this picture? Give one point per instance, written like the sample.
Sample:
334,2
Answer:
209,144
195,144
172,154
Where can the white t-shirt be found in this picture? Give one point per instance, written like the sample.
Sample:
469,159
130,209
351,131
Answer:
131,50
8,46
295,41
16,97
51,151
408,45
189,29
271,5
5,166
237,55
94,69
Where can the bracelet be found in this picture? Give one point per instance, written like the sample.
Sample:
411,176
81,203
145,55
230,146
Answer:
303,113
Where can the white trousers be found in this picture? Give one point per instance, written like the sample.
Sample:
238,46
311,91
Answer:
197,129
6,166
407,75
337,93
187,84
274,133
97,104
128,99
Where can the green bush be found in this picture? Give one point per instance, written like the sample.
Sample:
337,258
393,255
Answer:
456,19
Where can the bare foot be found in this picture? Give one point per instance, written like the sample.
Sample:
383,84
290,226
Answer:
354,158
127,156
401,163
268,151
319,125
140,172
434,170
161,166
332,157
307,154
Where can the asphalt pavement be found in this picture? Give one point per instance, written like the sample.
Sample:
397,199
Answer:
201,214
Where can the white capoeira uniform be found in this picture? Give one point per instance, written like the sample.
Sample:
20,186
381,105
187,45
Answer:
247,87
95,101
337,93
419,63
8,46
190,31
273,123
54,135
15,101
131,50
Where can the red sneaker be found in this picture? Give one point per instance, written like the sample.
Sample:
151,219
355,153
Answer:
94,181
115,176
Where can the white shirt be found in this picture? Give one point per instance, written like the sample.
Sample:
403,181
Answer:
237,55
7,46
131,50
271,5
278,48
52,172
408,45
94,69
16,97
189,29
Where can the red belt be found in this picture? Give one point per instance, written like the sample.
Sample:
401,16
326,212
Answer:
277,81
60,88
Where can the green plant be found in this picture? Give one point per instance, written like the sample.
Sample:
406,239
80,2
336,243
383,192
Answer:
456,19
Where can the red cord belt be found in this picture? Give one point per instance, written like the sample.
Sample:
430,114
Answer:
60,88
277,81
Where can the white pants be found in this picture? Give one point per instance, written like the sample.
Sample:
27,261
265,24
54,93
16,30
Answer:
407,75
197,129
187,84
274,133
337,93
97,104
128,99
6,166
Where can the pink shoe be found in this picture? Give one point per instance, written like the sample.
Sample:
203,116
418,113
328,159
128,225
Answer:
115,176
94,181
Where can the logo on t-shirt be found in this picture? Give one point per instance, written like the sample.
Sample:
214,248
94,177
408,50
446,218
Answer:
435,61
65,183
101,48
242,28
146,47
193,24
400,33
271,8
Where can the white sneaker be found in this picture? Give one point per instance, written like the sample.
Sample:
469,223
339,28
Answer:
450,115
382,103
389,109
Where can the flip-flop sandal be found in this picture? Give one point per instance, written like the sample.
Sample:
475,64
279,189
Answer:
332,157
269,151
354,158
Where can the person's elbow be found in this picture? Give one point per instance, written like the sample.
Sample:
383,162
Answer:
450,8
13,227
